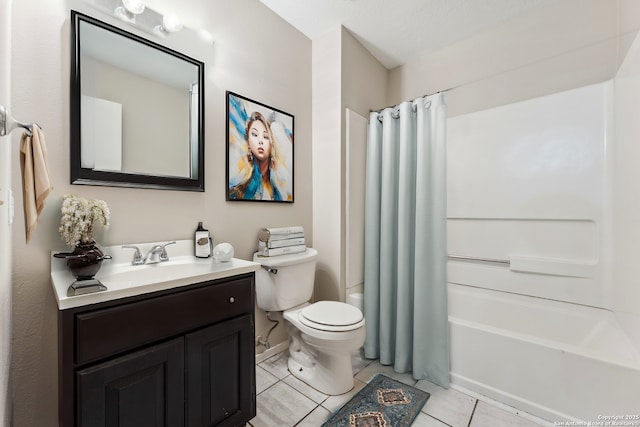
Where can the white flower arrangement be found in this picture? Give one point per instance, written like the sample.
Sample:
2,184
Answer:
78,217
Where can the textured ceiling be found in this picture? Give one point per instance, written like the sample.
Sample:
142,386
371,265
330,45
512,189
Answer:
394,31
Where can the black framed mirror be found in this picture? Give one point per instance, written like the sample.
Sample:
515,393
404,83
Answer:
137,110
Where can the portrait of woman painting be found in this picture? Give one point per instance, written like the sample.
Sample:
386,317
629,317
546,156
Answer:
259,151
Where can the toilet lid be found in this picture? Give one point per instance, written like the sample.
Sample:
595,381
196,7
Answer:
334,314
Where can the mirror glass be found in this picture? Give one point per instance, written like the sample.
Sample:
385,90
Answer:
136,110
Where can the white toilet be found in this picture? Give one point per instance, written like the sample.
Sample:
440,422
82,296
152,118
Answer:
322,335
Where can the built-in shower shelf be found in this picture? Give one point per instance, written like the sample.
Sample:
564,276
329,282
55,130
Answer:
554,267
525,264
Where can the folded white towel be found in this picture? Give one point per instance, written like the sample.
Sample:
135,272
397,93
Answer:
280,232
266,252
36,185
270,244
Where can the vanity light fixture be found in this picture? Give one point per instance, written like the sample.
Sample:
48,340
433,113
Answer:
129,9
170,24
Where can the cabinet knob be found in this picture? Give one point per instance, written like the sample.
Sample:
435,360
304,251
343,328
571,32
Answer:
232,300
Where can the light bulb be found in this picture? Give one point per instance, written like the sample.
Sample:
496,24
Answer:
171,23
134,6
129,9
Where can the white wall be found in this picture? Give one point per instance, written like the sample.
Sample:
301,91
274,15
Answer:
565,45
626,197
272,67
363,89
364,79
346,76
5,230
327,166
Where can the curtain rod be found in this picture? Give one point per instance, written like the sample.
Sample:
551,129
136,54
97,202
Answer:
423,96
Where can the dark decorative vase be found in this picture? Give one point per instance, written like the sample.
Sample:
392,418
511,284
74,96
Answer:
85,260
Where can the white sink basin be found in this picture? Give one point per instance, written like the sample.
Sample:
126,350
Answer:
127,275
123,279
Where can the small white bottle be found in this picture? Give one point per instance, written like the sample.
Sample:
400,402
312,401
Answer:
202,242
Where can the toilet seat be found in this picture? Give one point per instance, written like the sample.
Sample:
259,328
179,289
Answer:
331,316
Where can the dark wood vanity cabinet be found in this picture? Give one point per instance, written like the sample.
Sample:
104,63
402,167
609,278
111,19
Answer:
144,388
181,357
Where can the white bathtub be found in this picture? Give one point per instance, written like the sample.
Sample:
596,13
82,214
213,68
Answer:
555,360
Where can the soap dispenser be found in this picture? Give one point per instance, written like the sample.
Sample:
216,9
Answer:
203,242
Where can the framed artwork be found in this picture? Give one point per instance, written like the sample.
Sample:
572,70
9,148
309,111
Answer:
259,151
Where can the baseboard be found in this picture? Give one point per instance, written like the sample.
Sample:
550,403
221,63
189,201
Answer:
507,401
279,348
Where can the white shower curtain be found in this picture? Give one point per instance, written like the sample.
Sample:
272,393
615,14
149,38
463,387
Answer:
405,283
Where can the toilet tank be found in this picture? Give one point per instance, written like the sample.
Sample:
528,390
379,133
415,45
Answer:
285,281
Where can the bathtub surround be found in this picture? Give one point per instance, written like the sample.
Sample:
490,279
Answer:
626,197
539,330
534,193
405,284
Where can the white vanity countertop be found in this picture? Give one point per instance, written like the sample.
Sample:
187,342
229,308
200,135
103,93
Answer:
124,280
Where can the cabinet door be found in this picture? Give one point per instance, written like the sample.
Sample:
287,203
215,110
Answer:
221,374
141,389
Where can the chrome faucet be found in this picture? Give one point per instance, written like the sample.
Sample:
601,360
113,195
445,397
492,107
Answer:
137,255
158,253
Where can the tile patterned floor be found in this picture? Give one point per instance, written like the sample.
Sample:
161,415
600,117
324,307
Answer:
284,401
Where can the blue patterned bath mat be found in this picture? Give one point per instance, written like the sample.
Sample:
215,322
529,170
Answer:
384,402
